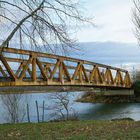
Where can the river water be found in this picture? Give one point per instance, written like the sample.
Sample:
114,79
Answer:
121,55
84,111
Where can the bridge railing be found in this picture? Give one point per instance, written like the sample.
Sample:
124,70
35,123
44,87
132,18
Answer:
49,69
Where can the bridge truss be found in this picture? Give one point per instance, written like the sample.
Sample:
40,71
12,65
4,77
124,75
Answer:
29,68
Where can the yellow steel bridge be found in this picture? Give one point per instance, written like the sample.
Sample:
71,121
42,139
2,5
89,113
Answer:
29,68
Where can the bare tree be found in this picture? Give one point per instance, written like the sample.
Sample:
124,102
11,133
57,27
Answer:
62,106
15,107
135,75
39,23
136,18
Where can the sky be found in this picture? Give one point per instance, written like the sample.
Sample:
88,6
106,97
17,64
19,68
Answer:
112,19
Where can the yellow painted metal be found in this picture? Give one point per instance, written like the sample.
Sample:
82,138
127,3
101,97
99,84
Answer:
41,69
109,77
127,80
60,71
34,69
2,71
56,72
91,75
85,74
66,73
19,69
47,69
118,78
22,74
55,69
76,72
9,70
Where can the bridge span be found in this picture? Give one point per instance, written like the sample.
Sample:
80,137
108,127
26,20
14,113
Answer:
29,68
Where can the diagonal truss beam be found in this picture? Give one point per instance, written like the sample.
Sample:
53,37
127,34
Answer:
9,70
2,71
41,69
22,74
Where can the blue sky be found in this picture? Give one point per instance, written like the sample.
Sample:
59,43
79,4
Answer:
113,19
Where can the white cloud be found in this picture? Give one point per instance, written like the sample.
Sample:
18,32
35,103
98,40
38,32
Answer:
114,21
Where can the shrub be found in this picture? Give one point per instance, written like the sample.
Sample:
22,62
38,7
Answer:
136,86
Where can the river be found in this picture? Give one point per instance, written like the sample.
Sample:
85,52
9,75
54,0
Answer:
84,111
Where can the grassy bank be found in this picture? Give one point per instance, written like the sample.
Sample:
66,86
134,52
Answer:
75,130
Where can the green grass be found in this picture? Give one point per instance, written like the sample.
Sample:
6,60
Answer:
72,130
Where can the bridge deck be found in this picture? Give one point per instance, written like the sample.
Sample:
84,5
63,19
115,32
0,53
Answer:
29,68
50,89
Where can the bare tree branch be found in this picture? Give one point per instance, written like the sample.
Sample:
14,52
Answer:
15,109
42,22
136,19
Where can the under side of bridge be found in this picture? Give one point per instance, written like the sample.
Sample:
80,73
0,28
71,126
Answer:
54,89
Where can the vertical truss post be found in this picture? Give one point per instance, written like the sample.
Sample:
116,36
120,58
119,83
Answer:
66,73
60,71
41,69
127,80
34,69
25,68
80,74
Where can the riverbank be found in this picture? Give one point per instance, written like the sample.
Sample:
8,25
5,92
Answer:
102,97
72,130
91,97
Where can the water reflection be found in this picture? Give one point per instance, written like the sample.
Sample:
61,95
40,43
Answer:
102,111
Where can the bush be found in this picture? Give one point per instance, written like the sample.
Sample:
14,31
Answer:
136,87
